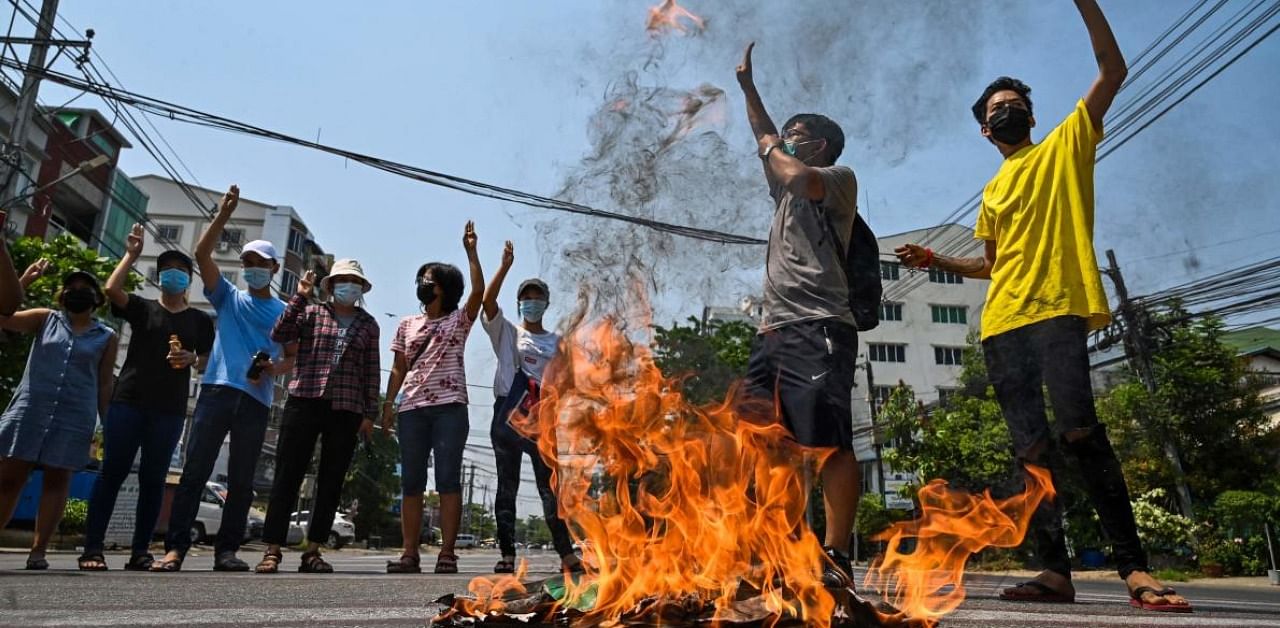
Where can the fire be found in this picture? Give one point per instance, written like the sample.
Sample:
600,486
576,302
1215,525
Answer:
685,511
670,15
928,582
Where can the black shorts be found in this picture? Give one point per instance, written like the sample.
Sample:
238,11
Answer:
805,371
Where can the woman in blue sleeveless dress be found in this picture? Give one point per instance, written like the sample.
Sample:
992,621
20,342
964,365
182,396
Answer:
51,419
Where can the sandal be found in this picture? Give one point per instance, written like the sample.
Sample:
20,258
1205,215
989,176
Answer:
313,563
270,563
37,564
1135,600
505,566
92,562
141,562
1038,592
407,563
165,565
446,563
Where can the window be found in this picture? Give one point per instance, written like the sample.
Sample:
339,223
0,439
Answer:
889,270
169,233
944,276
887,352
890,311
231,276
153,274
945,395
950,314
880,395
949,356
233,237
296,240
288,282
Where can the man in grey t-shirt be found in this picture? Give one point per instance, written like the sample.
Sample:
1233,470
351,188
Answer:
803,356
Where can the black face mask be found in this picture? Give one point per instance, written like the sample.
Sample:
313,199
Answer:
79,301
1010,125
426,293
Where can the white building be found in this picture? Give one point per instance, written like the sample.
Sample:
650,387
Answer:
179,224
925,322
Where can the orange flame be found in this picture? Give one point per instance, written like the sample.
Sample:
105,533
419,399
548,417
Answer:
670,15
928,582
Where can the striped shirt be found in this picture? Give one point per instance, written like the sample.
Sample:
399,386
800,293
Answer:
438,376
334,362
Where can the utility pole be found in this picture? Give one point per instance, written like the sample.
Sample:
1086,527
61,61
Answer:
27,100
1137,349
471,487
875,428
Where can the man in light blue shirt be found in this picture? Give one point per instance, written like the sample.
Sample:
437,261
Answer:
235,396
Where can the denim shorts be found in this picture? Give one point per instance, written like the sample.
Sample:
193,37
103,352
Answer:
432,430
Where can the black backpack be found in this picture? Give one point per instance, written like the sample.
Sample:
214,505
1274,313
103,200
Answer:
862,270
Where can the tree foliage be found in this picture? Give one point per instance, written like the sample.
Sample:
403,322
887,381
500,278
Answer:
708,358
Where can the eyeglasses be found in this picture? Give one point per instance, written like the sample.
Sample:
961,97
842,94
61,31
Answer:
426,283
794,134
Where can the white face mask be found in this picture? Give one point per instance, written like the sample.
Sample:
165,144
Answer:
347,293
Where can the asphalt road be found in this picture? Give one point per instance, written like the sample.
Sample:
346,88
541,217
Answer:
360,594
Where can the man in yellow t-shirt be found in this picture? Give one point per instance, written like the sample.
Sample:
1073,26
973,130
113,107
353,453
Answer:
1046,294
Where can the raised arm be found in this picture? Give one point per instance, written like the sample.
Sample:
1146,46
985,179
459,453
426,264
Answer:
1111,64
210,275
494,288
476,295
291,323
761,123
36,270
116,283
916,256
25,321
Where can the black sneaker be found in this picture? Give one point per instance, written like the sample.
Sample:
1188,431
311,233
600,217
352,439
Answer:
837,572
228,562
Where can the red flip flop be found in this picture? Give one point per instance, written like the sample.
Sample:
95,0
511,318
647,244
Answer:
1135,600
1043,594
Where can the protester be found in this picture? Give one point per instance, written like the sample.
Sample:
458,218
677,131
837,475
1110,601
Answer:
10,288
523,352
149,407
333,397
1045,296
65,388
232,400
432,419
804,354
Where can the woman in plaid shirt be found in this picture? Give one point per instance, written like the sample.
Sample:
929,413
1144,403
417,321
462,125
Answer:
333,396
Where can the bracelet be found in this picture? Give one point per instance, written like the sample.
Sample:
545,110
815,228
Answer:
928,258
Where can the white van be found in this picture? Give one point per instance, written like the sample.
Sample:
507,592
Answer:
465,541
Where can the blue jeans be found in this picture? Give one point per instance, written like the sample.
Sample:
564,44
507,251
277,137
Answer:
221,410
127,429
439,431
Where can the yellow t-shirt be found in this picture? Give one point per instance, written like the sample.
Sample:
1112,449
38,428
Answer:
1039,211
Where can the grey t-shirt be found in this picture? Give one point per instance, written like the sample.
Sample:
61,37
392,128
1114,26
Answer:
804,268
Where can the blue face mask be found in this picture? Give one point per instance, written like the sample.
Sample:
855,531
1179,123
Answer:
347,293
257,278
532,310
174,281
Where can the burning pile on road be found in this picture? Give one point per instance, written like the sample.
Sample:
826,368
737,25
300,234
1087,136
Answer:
695,515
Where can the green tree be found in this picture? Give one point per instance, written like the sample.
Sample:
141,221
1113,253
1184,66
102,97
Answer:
481,522
1207,401
536,530
709,358
65,254
372,486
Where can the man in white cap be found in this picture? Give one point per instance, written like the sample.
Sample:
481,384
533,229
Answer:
235,396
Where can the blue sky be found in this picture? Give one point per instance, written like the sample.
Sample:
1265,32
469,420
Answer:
503,92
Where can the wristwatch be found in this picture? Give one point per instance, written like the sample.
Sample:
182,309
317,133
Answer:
769,149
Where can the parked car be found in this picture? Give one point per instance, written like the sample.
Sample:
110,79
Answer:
209,518
340,533
465,541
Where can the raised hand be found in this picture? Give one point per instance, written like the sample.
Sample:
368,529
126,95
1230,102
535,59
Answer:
307,285
469,239
35,271
744,69
508,255
133,244
230,200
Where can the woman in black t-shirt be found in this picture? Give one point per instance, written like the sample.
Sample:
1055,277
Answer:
149,406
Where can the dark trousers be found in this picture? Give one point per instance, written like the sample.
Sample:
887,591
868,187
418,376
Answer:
127,429
509,449
305,421
1053,354
220,410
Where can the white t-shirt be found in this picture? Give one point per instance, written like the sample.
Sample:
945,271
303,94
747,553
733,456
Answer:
517,347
